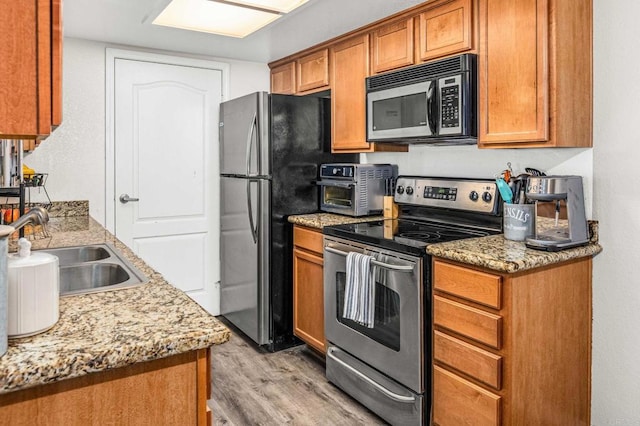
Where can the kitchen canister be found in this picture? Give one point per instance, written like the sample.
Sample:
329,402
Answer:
519,221
33,291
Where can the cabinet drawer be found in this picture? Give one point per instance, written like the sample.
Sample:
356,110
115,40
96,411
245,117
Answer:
475,286
459,402
307,239
469,359
473,323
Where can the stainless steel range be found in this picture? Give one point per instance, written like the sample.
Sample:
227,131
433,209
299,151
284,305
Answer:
386,363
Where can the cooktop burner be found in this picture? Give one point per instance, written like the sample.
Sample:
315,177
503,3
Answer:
433,210
403,235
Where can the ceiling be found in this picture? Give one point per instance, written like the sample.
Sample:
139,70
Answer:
129,22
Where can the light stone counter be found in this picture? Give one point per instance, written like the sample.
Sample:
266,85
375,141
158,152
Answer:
110,329
497,253
320,220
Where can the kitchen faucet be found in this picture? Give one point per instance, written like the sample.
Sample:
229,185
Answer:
35,216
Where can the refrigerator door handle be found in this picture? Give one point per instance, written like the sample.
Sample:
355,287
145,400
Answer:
254,229
254,126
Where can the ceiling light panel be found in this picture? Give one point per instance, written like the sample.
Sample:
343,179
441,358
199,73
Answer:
216,18
280,6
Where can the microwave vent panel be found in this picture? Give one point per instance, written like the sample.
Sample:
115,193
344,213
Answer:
421,72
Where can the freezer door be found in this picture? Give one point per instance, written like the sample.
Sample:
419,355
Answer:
245,255
244,142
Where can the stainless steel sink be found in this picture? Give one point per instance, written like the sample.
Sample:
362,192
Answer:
94,268
74,255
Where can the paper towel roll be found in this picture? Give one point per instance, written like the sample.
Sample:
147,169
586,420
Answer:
33,294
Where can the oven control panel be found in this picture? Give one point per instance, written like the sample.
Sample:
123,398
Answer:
476,195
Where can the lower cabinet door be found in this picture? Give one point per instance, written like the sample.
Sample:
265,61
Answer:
457,401
308,299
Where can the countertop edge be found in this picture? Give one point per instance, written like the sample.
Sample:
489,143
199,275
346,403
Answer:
31,362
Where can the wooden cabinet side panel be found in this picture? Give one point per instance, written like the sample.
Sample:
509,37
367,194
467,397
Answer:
308,299
392,46
446,29
44,67
156,392
571,73
349,63
56,63
550,346
18,68
513,71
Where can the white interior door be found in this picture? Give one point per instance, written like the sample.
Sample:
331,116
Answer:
165,149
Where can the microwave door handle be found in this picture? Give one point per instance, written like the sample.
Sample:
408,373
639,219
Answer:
432,109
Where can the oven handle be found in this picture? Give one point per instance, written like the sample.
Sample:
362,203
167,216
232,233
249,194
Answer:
338,184
398,268
387,392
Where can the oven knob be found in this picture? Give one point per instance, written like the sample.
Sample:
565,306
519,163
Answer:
400,189
486,197
473,196
335,171
409,190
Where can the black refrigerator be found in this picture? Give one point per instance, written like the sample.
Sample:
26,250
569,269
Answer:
271,147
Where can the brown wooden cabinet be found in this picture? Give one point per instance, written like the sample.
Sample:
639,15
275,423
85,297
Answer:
308,287
283,79
349,67
535,73
445,28
30,69
167,391
312,72
512,349
392,46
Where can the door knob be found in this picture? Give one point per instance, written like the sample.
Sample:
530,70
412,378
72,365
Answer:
124,199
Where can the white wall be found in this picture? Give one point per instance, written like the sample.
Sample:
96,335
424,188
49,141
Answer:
616,274
74,155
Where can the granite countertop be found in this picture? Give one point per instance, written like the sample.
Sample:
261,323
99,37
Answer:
110,329
502,255
492,252
320,220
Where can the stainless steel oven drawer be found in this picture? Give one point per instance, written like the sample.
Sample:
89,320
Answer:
388,399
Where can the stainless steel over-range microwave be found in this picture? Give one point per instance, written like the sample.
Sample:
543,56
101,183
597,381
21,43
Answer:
434,102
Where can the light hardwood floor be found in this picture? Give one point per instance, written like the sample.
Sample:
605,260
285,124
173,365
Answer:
254,387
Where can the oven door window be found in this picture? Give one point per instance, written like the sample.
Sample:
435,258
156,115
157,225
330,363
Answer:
338,196
386,329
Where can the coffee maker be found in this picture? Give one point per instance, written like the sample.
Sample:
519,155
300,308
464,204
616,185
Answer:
560,216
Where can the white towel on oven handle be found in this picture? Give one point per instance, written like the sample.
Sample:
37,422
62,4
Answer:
359,292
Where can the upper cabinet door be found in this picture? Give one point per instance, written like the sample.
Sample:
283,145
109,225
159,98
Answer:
392,46
513,71
26,69
312,71
535,73
349,67
445,29
283,79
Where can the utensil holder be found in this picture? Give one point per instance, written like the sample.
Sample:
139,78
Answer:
519,221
